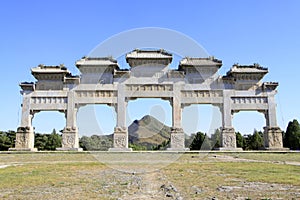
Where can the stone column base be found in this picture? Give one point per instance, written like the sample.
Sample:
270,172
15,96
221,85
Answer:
273,139
229,149
68,149
120,140
228,140
119,149
177,140
277,149
24,139
70,141
22,149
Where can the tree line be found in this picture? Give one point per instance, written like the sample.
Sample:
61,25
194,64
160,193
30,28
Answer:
197,141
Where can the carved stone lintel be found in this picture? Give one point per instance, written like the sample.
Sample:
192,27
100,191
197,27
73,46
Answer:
273,138
24,139
177,140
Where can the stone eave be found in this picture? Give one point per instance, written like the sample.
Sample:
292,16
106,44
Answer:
149,56
43,69
270,85
27,86
199,62
97,62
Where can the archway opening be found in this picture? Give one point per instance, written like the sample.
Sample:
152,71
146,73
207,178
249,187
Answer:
46,121
246,122
48,127
249,129
96,126
204,119
149,121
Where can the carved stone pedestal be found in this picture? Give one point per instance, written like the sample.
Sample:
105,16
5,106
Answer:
177,140
228,140
24,140
70,141
120,140
273,139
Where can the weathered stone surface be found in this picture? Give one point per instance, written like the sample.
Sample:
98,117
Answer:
177,140
24,139
194,82
120,139
273,139
70,141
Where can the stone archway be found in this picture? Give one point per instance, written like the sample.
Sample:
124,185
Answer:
195,81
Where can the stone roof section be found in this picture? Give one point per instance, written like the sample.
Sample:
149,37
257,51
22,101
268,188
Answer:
148,54
255,68
97,61
40,69
196,62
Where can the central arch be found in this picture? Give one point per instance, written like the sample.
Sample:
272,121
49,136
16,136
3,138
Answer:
148,121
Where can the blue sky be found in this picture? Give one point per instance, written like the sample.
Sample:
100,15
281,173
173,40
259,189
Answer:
53,32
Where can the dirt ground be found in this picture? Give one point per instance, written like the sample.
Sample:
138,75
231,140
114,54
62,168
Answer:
172,176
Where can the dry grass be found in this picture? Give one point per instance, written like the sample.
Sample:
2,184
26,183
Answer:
195,176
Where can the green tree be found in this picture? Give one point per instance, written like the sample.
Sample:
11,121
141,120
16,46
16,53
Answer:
53,141
239,140
255,141
216,139
292,135
40,141
201,142
7,140
96,142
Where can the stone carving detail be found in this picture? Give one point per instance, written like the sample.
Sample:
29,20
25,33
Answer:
104,93
48,100
120,140
194,79
249,100
177,138
228,138
68,140
69,137
120,137
273,137
120,129
153,87
24,138
21,140
202,93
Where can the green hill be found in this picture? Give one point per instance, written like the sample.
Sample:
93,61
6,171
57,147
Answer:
148,132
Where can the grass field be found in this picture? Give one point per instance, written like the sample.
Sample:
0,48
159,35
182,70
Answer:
149,175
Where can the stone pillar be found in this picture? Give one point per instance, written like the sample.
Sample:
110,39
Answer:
121,132
272,133
228,138
177,134
25,133
70,140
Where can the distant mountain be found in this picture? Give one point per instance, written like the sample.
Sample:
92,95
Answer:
148,132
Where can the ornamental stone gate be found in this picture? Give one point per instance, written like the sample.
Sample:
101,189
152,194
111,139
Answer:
195,81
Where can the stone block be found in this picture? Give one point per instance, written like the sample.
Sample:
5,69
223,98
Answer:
177,140
24,140
273,139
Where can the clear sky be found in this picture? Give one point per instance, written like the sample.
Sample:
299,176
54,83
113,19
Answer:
53,32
